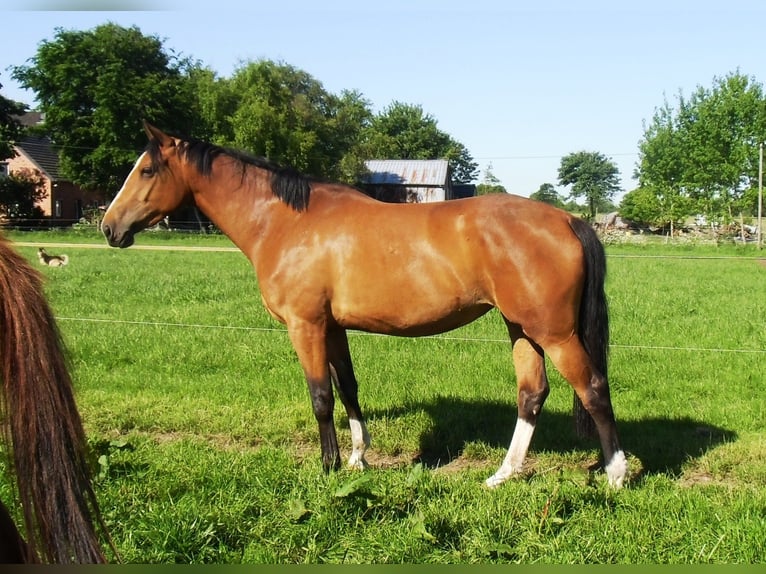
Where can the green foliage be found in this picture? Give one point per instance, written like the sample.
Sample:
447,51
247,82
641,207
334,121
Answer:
352,116
723,127
701,156
19,193
194,398
10,128
95,87
283,113
660,200
662,209
216,103
547,194
490,183
405,131
592,176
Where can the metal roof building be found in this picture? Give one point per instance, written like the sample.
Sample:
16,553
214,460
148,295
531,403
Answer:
408,180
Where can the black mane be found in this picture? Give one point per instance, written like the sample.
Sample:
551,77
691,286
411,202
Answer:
288,184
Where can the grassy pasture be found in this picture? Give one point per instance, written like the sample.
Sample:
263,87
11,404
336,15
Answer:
206,449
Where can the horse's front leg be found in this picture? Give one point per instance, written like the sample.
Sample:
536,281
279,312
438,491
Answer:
310,343
342,372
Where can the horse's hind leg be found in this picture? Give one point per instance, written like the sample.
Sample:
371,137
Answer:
533,389
592,388
342,372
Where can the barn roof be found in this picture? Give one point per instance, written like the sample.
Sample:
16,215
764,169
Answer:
415,172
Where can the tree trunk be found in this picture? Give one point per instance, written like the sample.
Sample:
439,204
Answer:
742,228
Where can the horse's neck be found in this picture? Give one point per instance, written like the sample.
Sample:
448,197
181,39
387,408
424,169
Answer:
238,206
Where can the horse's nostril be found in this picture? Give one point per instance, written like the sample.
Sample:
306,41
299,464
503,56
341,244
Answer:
106,231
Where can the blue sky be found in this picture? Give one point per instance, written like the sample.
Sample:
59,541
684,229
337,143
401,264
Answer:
520,84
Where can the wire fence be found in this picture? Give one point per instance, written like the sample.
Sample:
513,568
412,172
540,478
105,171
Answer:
451,338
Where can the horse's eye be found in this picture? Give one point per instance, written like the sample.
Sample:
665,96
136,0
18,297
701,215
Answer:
147,171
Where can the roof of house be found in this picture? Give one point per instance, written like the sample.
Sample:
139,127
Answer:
40,150
415,172
29,119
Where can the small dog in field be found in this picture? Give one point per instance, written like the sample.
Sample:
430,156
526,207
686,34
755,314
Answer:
51,260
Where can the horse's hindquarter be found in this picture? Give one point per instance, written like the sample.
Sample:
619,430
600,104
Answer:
407,269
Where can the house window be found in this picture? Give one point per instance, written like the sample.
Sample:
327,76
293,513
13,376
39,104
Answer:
3,169
57,208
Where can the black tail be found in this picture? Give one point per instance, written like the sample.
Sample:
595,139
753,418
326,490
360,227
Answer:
593,324
42,427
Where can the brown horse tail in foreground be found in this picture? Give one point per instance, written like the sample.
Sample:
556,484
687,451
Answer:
593,327
44,435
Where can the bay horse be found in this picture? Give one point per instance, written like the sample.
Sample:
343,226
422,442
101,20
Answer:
329,258
46,445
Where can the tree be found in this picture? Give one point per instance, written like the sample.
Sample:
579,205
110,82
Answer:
702,154
654,208
19,194
489,183
216,103
547,194
285,114
405,131
95,87
351,119
723,127
592,176
661,199
10,127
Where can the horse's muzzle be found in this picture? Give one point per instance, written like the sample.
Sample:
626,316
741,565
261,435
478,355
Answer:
121,240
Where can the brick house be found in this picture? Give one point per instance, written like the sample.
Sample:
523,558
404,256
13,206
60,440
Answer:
64,202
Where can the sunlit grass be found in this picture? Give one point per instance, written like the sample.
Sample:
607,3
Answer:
195,399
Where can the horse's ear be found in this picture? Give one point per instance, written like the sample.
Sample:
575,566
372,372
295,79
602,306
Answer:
157,135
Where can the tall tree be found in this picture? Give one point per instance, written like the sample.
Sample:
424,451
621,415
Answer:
661,198
547,194
18,192
216,103
723,127
703,153
489,183
285,114
592,176
405,131
353,115
95,86
10,127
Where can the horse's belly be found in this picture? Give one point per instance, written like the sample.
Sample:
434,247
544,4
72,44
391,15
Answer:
410,319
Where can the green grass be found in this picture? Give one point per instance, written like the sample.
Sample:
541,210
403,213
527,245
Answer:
194,400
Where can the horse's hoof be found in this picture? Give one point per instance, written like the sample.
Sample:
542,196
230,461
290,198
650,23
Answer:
357,463
494,481
617,469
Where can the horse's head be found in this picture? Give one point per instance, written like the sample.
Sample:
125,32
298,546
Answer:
153,189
